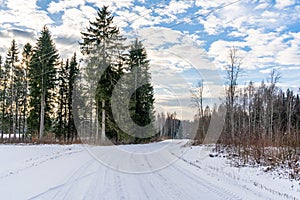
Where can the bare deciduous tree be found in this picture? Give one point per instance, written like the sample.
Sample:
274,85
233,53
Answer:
233,70
197,102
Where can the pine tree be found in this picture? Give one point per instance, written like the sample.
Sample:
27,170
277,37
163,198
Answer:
42,82
142,100
102,43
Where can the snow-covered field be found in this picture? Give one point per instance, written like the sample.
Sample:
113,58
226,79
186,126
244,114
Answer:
164,170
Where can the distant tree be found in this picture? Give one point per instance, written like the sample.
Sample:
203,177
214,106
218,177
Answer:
172,126
42,74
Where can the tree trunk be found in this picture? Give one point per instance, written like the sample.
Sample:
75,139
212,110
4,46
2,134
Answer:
103,122
42,116
97,121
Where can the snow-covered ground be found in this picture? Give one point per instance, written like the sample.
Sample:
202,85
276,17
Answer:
165,170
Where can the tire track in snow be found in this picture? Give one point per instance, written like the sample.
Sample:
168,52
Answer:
93,189
38,161
220,191
61,191
161,181
201,181
119,187
66,191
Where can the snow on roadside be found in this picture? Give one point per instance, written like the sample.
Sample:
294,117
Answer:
15,158
251,178
26,170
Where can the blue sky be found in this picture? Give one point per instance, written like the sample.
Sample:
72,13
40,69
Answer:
186,40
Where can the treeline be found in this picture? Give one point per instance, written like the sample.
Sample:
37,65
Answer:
266,128
265,115
36,92
262,123
168,126
43,97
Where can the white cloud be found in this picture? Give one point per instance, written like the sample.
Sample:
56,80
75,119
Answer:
137,18
208,4
289,56
113,4
24,6
69,32
175,7
244,15
62,5
71,27
24,14
280,4
265,50
262,6
155,37
266,71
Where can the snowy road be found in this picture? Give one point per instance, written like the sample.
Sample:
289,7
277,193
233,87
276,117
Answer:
154,171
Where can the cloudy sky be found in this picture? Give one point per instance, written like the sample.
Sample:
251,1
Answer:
186,40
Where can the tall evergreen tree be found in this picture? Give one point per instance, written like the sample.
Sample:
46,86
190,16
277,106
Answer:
5,75
42,82
62,104
2,75
102,43
141,102
13,71
72,75
64,125
26,54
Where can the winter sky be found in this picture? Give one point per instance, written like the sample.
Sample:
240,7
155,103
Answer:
186,40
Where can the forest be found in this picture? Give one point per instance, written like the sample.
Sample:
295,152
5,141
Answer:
45,98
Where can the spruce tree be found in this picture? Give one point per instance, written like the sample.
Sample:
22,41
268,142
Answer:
26,54
12,72
42,74
2,101
62,98
102,44
141,102
72,75
5,74
64,124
